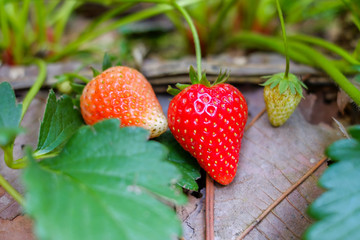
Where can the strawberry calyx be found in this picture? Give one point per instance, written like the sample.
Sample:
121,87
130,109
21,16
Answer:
222,78
291,82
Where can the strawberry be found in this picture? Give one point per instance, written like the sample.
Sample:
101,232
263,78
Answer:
282,95
123,93
208,121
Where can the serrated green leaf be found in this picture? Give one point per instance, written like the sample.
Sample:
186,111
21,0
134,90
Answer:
107,183
10,115
193,76
338,209
106,62
60,122
182,160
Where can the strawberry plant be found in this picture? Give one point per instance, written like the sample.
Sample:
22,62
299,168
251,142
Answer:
208,120
44,23
282,91
337,211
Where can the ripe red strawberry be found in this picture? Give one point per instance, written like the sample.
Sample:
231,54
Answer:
209,123
123,93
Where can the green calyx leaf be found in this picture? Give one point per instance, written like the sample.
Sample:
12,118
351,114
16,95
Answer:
60,122
222,78
182,160
95,71
292,83
337,210
10,115
112,181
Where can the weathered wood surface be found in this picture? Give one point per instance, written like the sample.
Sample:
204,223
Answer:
243,69
272,160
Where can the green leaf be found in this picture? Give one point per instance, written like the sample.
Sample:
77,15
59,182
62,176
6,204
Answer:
182,86
338,209
193,76
77,88
60,122
182,160
354,131
106,62
10,115
107,183
283,86
222,78
173,91
95,71
204,80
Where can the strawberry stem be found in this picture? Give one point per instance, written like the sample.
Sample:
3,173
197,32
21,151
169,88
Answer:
195,36
286,75
11,190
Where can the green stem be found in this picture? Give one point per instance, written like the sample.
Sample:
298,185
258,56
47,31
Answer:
253,40
324,63
195,36
258,41
11,190
284,38
356,53
4,26
35,88
8,154
327,45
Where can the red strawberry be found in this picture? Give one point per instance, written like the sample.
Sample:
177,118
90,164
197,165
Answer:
209,123
123,93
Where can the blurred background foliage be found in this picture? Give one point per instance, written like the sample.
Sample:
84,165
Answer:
58,30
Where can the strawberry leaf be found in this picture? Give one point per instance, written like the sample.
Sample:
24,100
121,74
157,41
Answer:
338,209
60,122
182,86
107,183
222,78
10,115
106,62
283,86
95,71
193,76
173,91
182,160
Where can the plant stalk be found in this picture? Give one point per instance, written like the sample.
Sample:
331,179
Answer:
287,68
195,36
11,190
35,88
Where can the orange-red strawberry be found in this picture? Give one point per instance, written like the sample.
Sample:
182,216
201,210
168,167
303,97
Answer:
123,93
208,122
